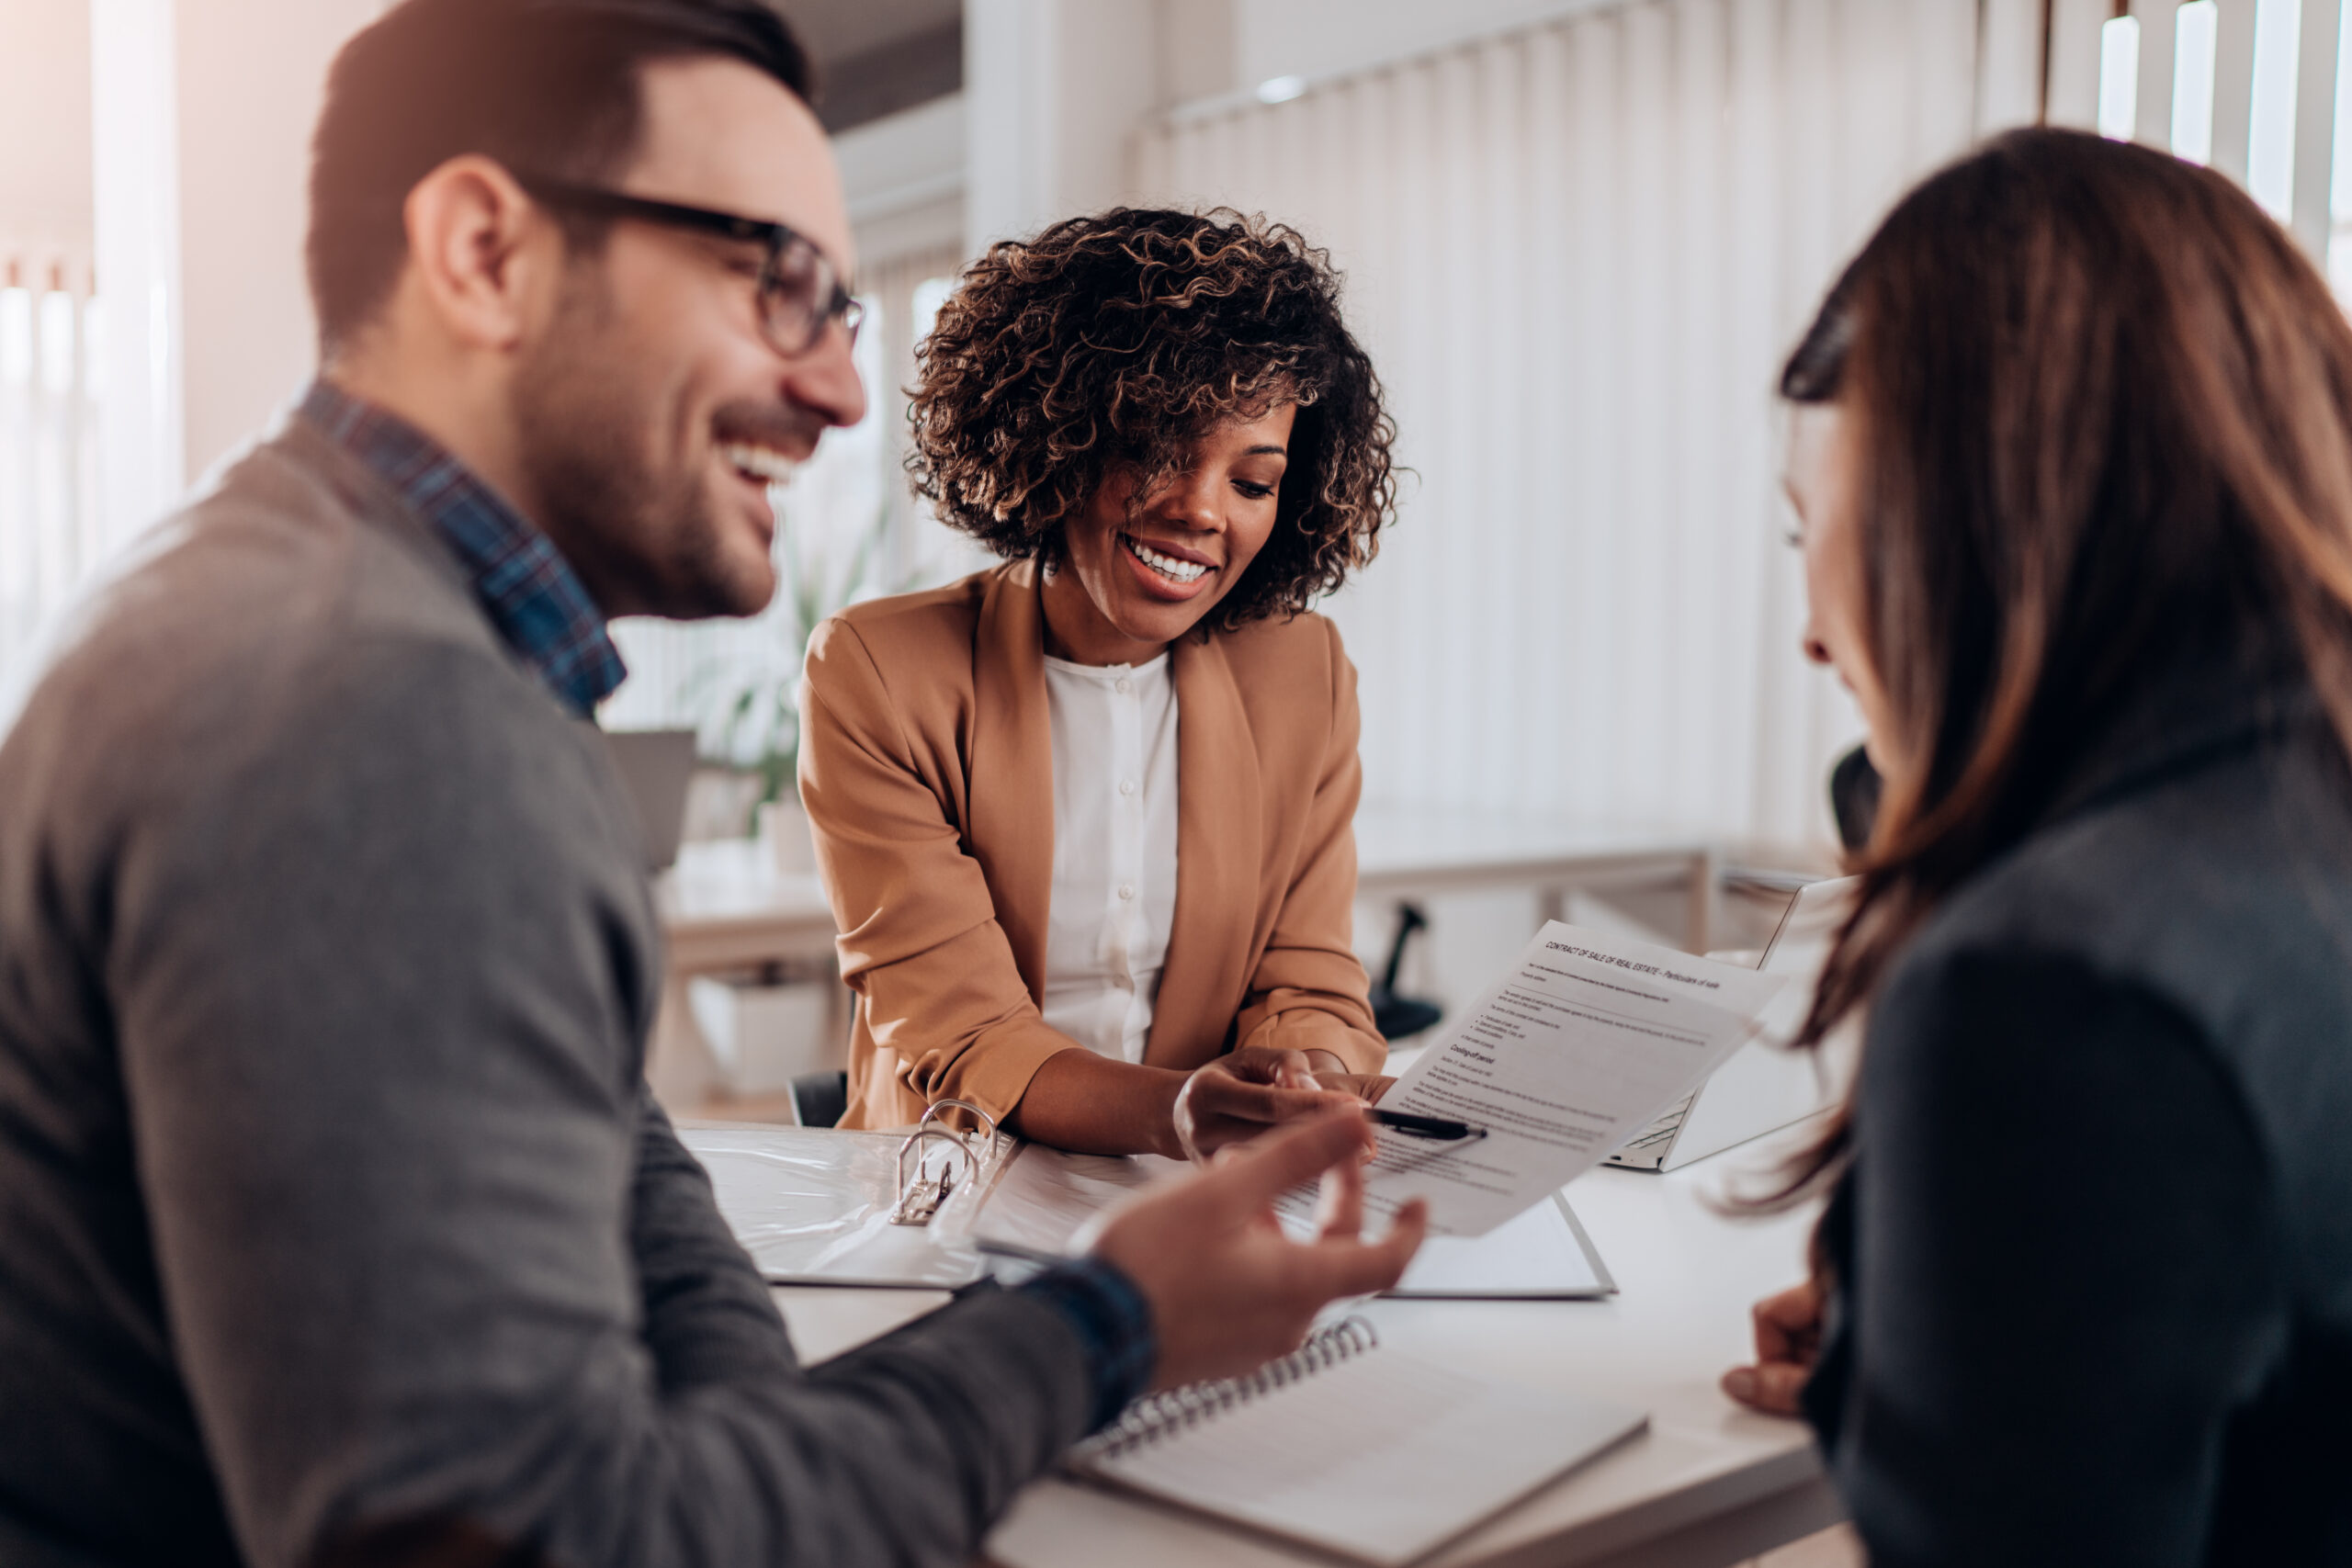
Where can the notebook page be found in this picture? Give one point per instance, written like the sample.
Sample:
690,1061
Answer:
1384,1456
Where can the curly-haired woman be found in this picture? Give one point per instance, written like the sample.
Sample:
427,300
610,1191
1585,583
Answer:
1084,817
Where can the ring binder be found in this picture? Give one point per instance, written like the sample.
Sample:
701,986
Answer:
1158,1416
920,1194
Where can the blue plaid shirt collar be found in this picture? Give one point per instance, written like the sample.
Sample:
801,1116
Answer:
528,589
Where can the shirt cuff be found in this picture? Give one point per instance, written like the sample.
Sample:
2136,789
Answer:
1114,1324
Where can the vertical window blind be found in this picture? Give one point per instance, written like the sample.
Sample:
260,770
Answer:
1576,255
50,525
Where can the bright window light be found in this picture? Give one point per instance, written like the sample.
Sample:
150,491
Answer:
2270,139
1280,90
2340,195
2119,77
2194,30
17,339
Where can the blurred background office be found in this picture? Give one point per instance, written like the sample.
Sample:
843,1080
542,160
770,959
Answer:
1577,235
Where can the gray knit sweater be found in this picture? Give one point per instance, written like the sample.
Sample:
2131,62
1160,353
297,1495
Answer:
329,1193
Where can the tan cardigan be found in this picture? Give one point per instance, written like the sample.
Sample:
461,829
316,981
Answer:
926,765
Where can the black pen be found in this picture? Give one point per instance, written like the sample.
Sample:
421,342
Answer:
1423,1126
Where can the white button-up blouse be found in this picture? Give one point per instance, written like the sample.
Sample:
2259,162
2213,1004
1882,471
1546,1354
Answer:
1114,850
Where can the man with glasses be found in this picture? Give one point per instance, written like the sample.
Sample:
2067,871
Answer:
335,1224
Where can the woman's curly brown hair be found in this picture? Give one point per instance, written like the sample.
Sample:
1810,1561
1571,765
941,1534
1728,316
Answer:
1108,345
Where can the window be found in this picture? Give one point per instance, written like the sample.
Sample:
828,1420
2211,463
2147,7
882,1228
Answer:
849,530
49,540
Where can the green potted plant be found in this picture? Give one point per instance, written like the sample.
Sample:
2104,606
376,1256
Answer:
751,702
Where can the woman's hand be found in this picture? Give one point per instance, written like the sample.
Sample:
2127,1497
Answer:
1243,1093
1787,1342
1365,1086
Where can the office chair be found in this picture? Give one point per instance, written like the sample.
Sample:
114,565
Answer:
1401,1018
820,1100
1853,798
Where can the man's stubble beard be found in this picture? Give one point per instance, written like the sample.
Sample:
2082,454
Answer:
644,543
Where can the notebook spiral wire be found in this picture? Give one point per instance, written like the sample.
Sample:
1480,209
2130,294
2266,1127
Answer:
1158,1416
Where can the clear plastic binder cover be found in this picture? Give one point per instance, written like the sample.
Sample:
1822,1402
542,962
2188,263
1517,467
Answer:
1541,1254
812,1206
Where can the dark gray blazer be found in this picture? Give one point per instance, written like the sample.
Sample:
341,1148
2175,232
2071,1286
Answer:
2093,1258
329,1193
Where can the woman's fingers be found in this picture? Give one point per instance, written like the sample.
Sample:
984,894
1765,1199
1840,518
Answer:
1218,1095
1245,1092
1788,1326
1365,1086
1787,1339
1266,1065
1774,1387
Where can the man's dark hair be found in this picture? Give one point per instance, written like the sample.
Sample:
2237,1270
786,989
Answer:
548,86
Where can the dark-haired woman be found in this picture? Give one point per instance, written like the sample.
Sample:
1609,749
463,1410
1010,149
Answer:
1085,817
2072,451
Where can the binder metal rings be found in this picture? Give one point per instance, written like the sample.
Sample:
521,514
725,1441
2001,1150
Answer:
1158,1416
925,1188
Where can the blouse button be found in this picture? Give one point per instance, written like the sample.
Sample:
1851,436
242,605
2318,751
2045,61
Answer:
1125,686
1127,786
1126,889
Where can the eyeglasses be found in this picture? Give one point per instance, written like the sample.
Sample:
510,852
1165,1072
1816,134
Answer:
801,292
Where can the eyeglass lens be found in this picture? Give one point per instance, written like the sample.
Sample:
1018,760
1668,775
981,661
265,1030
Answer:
799,298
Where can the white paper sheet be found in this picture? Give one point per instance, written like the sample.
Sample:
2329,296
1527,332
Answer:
1585,1041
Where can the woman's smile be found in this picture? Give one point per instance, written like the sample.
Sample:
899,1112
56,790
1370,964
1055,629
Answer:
1138,571
1167,571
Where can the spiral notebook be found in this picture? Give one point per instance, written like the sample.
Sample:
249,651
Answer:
1372,1453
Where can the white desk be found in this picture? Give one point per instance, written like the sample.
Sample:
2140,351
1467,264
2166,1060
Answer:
1708,1484
724,908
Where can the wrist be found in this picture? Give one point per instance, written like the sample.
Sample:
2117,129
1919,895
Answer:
1166,1142
1112,1319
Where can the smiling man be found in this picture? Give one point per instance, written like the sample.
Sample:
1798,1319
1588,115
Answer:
335,1223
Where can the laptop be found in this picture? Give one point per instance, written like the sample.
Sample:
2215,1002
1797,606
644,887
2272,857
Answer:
1765,1086
655,766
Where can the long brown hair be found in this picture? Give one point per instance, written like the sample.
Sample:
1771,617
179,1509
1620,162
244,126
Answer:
2104,413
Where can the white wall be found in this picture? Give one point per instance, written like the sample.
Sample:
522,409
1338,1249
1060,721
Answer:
250,73
45,123
903,177
1054,92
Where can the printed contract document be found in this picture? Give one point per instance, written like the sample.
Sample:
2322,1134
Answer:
1585,1041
